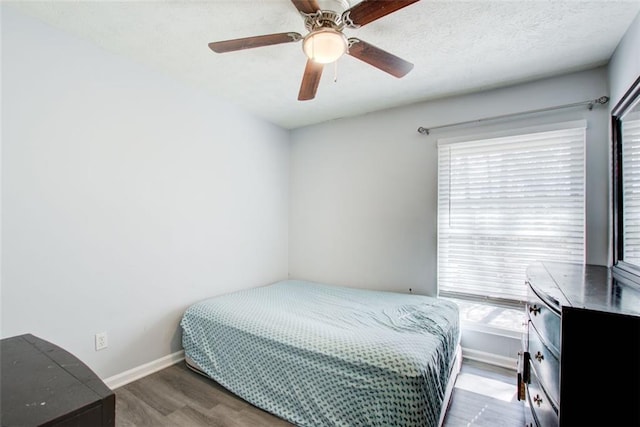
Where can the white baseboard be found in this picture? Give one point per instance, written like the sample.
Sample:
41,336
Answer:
490,358
143,370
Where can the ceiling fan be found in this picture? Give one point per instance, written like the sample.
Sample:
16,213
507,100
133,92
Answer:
325,42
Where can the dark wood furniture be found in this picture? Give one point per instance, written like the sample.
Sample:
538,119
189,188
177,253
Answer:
580,362
44,385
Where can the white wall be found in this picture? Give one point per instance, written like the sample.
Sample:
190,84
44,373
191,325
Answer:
363,190
126,196
624,67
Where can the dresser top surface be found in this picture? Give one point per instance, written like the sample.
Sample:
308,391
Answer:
584,286
42,382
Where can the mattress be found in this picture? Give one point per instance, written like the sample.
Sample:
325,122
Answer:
323,355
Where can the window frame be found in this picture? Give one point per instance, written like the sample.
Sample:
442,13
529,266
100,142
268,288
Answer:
626,104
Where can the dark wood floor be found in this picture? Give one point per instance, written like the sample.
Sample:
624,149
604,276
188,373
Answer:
484,396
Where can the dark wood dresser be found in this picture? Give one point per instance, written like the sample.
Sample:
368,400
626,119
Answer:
580,364
44,385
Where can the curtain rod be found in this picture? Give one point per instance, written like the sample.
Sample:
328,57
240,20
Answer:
602,100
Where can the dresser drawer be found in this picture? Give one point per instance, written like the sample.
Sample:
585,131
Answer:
545,364
545,320
541,406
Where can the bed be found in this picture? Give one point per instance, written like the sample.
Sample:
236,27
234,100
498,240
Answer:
316,354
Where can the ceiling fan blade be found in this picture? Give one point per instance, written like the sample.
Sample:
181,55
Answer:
369,10
379,58
306,6
310,80
251,42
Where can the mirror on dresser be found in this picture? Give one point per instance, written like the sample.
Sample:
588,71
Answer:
626,183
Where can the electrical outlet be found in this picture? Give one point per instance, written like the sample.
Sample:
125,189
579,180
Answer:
101,341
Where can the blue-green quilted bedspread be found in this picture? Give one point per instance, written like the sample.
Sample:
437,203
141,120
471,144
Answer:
322,355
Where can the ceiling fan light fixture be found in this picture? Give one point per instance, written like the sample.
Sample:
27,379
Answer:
325,45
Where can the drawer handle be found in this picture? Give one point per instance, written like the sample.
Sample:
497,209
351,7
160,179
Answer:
537,399
535,309
539,357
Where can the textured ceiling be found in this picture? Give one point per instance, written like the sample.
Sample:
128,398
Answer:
456,46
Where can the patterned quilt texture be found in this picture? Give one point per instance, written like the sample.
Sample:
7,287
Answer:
323,355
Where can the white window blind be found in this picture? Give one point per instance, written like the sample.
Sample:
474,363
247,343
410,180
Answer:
631,189
505,202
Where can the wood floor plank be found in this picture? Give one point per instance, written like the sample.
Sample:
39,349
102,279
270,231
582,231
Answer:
477,409
189,417
157,394
230,417
194,387
131,411
254,416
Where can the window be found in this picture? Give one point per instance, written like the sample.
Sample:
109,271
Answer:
504,203
630,130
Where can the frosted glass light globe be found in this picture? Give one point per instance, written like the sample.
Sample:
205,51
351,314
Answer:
325,45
